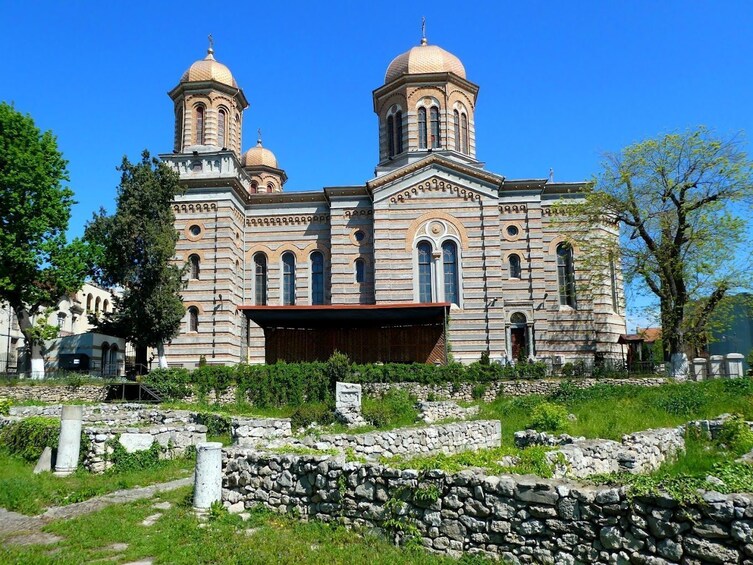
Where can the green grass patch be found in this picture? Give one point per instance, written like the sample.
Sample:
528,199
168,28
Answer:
176,538
531,461
23,491
610,411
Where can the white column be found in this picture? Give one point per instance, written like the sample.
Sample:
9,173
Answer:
716,366
699,369
69,444
734,365
679,366
208,475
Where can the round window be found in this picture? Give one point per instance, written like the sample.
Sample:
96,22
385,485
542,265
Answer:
195,230
512,231
359,235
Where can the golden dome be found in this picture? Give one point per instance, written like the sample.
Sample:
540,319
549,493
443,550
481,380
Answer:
424,58
259,156
209,69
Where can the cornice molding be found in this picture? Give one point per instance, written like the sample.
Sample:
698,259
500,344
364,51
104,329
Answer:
288,220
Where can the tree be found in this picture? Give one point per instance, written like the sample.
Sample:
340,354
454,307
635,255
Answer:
678,199
134,251
37,264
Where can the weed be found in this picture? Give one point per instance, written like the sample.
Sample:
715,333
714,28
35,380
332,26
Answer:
548,416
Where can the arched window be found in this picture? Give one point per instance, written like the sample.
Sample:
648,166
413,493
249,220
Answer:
97,304
105,306
514,266
288,279
422,128
456,115
193,266
390,136
518,318
566,275
399,132
200,125
254,187
222,129
260,279
89,303
434,127
464,134
450,267
270,187
317,278
424,272
193,319
360,271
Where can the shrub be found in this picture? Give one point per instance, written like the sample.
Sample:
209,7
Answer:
742,387
172,384
216,424
5,404
217,378
548,416
124,461
736,435
478,391
27,438
307,414
338,368
396,408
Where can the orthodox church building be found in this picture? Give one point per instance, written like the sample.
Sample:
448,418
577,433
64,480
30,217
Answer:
434,258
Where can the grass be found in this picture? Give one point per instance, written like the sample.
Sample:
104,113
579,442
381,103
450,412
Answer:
27,493
176,538
608,411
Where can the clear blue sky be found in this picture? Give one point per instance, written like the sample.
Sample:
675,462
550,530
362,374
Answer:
561,83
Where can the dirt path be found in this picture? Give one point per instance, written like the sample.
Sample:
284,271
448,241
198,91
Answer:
26,529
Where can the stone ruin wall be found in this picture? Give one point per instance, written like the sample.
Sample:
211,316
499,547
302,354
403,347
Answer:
462,391
522,519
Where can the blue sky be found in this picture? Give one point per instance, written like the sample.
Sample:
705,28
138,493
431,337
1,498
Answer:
561,83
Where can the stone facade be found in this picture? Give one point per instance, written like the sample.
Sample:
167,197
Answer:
446,438
431,412
250,431
521,519
640,452
431,227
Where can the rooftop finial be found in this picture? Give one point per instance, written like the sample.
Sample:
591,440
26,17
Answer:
551,175
258,141
423,30
210,51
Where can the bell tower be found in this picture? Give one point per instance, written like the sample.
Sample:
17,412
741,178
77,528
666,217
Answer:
425,105
209,108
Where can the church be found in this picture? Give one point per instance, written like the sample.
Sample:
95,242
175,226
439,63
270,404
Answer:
433,259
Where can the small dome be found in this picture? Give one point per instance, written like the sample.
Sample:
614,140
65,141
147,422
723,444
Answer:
209,69
259,156
424,58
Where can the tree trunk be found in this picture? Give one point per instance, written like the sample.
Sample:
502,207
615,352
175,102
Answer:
161,355
33,346
142,363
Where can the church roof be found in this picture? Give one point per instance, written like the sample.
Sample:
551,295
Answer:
424,58
209,69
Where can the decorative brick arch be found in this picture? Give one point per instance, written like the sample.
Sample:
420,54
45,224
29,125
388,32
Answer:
410,235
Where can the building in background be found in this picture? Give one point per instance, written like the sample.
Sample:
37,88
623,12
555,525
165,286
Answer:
432,258
76,348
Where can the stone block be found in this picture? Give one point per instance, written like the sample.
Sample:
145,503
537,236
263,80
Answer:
136,442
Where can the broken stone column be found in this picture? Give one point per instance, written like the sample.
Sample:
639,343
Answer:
734,365
716,366
348,404
207,486
69,444
699,369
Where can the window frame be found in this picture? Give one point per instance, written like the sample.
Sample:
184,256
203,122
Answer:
515,266
261,273
566,275
287,294
317,268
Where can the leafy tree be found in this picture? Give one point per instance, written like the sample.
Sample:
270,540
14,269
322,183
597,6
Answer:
37,264
134,251
678,199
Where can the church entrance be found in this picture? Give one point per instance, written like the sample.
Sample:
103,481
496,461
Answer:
519,338
519,343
